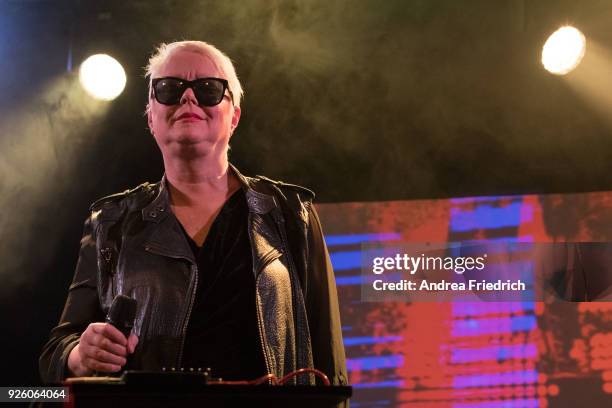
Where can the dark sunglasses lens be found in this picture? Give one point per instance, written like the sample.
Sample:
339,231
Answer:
169,91
209,92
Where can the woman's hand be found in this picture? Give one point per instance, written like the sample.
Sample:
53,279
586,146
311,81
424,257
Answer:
101,348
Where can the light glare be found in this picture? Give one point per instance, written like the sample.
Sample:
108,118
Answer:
563,50
102,77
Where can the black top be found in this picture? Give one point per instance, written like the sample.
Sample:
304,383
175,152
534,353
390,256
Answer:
222,332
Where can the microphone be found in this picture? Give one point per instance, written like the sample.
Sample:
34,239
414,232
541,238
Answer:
122,314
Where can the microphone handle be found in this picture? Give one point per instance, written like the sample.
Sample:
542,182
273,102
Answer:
125,330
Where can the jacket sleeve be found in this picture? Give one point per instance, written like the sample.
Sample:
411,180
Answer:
322,307
82,307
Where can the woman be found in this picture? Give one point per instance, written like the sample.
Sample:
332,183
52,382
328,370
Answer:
229,272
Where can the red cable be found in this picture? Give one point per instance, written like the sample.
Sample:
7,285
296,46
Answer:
314,371
271,378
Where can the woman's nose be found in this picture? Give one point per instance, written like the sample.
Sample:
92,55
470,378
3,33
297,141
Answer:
189,96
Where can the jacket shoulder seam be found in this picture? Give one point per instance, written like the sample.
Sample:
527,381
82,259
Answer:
114,198
308,193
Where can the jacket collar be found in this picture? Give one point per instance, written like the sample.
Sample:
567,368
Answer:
168,239
159,208
258,202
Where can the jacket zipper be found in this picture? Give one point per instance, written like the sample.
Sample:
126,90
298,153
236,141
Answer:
194,268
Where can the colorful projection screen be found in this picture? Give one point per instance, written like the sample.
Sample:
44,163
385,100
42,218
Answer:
545,353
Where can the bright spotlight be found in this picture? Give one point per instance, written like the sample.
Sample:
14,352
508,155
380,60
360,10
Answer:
102,76
563,50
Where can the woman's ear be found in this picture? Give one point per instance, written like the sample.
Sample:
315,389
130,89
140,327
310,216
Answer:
149,119
235,118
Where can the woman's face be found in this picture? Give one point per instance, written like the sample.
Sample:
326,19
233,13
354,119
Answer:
187,129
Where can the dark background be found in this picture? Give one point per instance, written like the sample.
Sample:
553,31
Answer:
358,100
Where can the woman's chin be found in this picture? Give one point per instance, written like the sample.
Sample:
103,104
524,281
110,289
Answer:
189,139
190,148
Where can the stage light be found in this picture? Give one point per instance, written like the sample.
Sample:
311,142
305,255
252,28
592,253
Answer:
563,50
102,77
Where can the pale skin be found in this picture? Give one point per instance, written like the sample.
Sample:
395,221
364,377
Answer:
193,140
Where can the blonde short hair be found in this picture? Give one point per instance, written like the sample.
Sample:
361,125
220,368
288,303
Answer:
221,61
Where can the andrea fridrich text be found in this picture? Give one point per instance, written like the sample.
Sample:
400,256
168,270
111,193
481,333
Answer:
472,285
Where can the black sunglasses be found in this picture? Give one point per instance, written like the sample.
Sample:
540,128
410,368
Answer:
208,91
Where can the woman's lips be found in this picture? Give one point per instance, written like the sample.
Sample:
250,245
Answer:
189,117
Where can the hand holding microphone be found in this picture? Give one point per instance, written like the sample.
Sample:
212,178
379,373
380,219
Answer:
105,346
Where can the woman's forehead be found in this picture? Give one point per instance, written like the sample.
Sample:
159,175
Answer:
182,63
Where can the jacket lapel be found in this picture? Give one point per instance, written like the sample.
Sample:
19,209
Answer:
166,237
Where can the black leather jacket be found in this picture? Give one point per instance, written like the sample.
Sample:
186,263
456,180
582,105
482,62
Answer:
133,245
